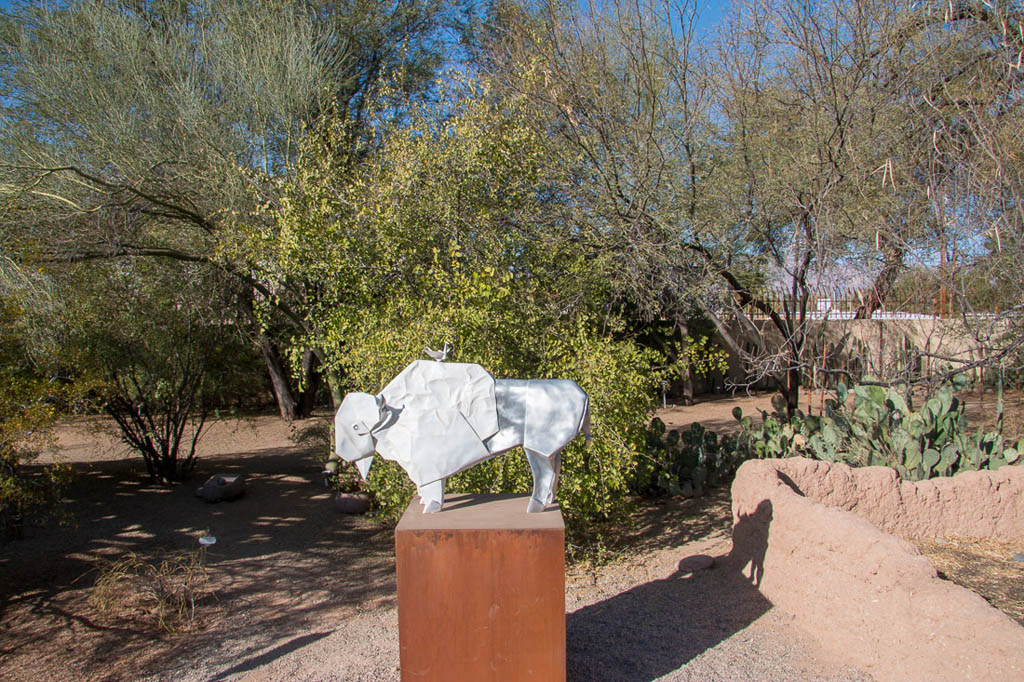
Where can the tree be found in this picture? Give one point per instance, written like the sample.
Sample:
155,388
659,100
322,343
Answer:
914,98
623,96
154,129
966,91
167,350
792,154
809,122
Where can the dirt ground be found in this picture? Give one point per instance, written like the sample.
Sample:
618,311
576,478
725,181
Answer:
301,592
715,412
983,565
284,560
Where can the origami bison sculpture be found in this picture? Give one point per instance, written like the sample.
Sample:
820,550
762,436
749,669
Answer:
438,418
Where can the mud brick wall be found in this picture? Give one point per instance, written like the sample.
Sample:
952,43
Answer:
808,532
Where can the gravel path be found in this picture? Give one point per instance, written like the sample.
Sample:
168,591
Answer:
305,594
648,620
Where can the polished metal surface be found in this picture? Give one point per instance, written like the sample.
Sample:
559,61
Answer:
435,419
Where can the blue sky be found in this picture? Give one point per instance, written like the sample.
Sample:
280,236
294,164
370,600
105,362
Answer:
711,13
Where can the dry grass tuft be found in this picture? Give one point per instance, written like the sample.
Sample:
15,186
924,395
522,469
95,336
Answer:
162,592
983,565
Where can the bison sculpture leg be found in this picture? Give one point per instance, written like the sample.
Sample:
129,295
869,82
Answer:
545,478
432,496
556,464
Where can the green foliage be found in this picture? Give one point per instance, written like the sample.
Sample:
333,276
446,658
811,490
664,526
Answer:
704,356
27,410
881,428
707,174
442,228
446,233
32,396
153,130
684,462
594,481
618,377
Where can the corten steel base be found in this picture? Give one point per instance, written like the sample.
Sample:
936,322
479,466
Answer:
481,591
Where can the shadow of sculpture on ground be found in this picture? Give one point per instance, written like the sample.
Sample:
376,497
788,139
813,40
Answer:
750,540
655,628
270,656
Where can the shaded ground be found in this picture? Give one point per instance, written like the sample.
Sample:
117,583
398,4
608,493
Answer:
714,412
663,615
981,410
283,560
303,593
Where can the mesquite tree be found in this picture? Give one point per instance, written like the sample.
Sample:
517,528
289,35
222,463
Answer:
167,350
810,144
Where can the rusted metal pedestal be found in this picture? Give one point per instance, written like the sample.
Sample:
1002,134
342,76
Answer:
481,591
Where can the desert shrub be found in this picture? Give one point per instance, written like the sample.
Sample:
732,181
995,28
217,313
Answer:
593,487
704,357
165,589
26,414
882,428
167,351
449,232
684,462
617,376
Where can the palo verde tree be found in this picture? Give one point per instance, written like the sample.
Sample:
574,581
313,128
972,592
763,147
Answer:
622,94
809,113
965,90
150,130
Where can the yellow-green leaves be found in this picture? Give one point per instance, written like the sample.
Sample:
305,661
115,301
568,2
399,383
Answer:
448,231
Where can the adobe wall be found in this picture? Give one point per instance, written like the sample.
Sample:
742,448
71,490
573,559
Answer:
868,596
970,504
875,347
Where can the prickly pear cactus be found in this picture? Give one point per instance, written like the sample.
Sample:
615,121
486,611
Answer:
684,462
882,427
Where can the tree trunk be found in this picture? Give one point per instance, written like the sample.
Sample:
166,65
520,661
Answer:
334,384
883,283
683,330
732,346
792,392
311,380
286,403
668,347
